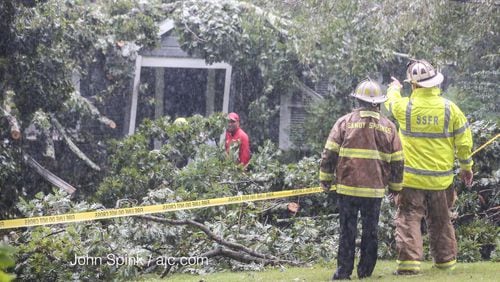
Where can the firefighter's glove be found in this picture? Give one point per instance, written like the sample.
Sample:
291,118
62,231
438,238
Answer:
326,185
395,83
394,197
466,177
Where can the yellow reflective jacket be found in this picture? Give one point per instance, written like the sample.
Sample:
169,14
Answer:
433,131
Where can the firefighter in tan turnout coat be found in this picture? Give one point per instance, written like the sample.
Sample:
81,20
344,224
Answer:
434,132
362,157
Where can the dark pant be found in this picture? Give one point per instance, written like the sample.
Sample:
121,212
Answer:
348,213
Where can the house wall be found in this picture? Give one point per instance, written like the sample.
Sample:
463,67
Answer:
292,117
293,113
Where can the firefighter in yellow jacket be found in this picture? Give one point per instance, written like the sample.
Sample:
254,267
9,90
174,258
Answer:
434,132
364,153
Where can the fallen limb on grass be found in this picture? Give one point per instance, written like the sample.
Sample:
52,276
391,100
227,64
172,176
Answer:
234,250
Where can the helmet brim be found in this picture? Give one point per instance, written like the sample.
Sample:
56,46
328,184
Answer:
436,80
374,100
428,83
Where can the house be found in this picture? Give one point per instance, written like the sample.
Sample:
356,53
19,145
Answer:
183,85
170,61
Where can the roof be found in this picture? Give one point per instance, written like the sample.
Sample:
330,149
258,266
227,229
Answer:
165,26
169,43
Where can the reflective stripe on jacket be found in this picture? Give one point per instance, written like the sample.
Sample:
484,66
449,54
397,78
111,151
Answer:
364,152
432,129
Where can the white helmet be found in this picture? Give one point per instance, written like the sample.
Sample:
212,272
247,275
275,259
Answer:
423,74
369,91
180,121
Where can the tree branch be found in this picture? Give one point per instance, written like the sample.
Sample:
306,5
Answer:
273,20
42,124
286,220
474,2
236,251
47,175
15,132
5,110
50,151
95,112
210,234
72,145
306,89
401,55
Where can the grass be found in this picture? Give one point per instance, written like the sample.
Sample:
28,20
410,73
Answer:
478,271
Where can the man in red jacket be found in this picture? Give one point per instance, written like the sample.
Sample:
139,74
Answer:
234,134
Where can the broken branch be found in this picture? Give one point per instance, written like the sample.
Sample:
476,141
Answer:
236,251
72,145
15,132
94,111
47,175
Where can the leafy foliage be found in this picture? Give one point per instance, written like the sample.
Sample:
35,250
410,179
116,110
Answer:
137,168
48,252
46,44
6,261
271,46
477,239
207,174
310,235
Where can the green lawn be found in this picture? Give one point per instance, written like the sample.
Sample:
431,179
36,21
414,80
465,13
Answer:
479,271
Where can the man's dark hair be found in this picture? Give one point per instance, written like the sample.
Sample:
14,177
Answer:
365,104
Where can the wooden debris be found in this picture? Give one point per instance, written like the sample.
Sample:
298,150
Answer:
95,112
15,132
47,175
73,146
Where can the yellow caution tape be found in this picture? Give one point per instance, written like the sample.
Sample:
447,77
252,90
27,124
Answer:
122,212
140,210
485,144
